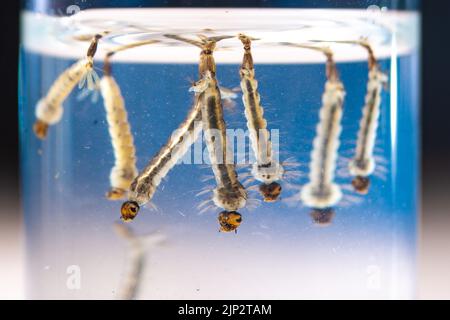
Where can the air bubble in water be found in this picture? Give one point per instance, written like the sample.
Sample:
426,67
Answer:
373,8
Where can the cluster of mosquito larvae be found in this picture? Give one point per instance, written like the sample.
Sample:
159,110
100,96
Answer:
321,193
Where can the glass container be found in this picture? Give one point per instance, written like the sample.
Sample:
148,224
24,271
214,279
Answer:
333,232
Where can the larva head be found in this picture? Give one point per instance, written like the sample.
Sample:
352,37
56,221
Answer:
129,210
322,217
270,192
361,184
40,129
229,221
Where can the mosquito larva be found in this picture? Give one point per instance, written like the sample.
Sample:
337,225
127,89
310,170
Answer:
49,110
266,169
363,164
145,184
124,170
136,260
229,194
322,193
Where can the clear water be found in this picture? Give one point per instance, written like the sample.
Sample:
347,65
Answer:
369,251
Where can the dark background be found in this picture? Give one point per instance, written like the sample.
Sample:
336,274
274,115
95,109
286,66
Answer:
435,235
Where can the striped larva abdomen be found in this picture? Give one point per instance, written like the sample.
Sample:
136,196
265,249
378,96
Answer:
229,194
256,123
49,109
266,169
124,170
145,184
363,164
322,192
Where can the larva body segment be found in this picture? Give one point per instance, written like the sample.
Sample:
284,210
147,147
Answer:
124,170
49,109
256,123
145,184
266,169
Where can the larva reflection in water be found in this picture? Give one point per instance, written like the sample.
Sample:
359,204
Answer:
138,246
266,169
124,170
322,193
229,194
49,109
